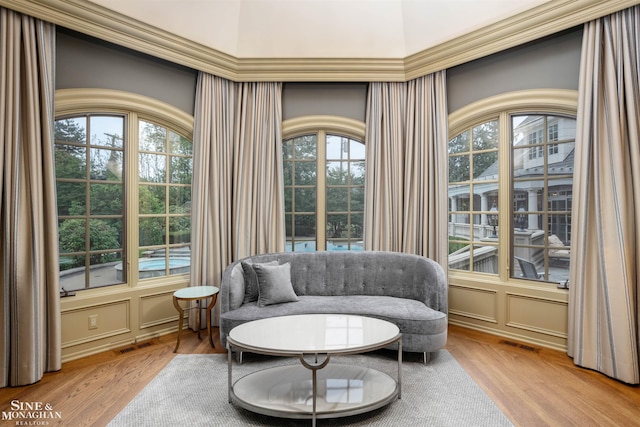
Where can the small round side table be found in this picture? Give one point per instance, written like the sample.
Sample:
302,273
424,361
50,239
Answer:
195,293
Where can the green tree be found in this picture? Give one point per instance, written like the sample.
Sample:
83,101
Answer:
71,130
180,163
482,137
153,137
152,231
102,236
152,162
151,199
485,137
70,162
106,199
180,226
342,198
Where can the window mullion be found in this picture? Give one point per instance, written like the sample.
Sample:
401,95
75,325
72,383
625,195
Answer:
87,204
321,192
505,197
131,196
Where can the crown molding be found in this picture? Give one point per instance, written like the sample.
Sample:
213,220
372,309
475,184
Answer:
546,19
321,69
97,21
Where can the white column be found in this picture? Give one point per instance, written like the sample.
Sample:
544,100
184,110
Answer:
533,206
454,207
484,206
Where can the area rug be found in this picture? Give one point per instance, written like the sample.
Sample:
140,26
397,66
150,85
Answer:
192,391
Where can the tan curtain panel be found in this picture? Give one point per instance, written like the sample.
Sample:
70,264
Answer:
604,299
426,176
258,203
406,175
238,195
385,154
30,319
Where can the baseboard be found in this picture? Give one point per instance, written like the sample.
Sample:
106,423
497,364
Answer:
113,345
513,336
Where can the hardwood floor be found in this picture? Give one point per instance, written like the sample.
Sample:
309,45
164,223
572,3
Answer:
543,387
532,386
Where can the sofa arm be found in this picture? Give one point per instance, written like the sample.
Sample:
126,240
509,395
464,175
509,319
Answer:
232,287
437,286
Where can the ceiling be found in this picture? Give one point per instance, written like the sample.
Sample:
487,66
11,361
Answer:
319,28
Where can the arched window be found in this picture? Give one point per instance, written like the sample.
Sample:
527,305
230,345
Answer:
510,186
123,173
324,165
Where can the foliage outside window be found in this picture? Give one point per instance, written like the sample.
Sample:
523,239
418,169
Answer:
534,171
324,192
98,167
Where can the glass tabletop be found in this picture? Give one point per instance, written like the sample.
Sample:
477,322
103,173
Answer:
314,333
196,292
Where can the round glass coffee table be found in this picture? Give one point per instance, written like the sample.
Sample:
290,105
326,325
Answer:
314,388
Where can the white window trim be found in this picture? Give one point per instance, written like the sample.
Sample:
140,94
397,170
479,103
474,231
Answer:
79,101
330,124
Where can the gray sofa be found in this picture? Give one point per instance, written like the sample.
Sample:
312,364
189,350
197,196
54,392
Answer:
408,290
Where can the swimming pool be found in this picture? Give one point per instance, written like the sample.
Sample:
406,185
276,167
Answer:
156,267
331,246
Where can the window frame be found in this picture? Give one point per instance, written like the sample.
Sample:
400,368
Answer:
135,108
321,126
502,107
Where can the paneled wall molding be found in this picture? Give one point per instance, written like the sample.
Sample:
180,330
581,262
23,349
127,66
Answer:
113,325
555,319
97,21
157,309
473,303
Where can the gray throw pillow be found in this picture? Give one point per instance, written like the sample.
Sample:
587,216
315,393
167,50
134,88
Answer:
274,284
251,280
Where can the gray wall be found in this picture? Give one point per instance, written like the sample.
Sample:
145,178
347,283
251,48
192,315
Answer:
334,99
551,63
84,62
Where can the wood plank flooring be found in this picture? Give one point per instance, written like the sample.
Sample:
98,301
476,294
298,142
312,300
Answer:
532,386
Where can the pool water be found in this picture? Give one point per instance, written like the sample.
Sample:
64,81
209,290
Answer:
156,267
159,264
331,246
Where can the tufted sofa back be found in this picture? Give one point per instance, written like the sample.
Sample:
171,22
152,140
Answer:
349,273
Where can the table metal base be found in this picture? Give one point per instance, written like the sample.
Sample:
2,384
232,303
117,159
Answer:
287,391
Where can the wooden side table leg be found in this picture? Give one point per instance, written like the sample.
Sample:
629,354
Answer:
180,320
209,308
